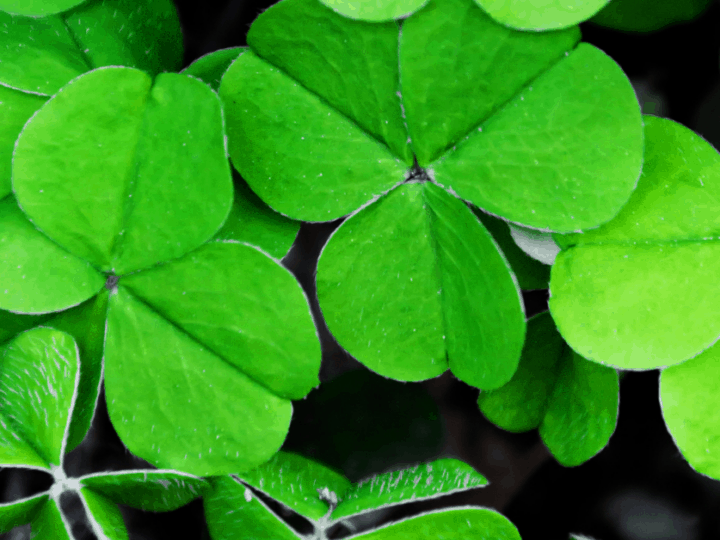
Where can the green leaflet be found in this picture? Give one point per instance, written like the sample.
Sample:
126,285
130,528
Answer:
20,512
136,141
38,8
323,167
689,400
38,385
453,297
233,512
541,14
648,15
573,402
366,10
50,524
254,222
507,167
105,519
530,273
631,292
426,481
150,490
465,523
211,67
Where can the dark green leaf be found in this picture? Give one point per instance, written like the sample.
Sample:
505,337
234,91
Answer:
648,15
105,519
50,524
20,512
38,8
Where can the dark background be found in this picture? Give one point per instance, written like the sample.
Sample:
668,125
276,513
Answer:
638,488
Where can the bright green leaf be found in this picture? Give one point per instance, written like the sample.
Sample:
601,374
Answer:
38,8
350,65
689,400
254,222
20,512
542,14
85,323
36,275
530,273
150,490
631,292
211,67
488,64
105,519
372,10
453,296
233,512
39,376
298,483
130,169
307,161
648,15
177,406
464,523
424,481
586,106
50,523
242,306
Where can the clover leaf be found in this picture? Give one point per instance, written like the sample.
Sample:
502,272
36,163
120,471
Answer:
648,15
572,402
541,14
384,10
111,189
535,129
40,388
211,67
38,8
630,293
40,55
325,499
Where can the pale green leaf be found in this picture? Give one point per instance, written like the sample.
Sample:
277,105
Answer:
463,523
36,275
690,400
631,292
211,67
488,64
39,376
307,161
350,65
374,10
233,512
423,481
301,484
541,14
38,8
20,512
537,244
443,292
177,406
105,519
586,106
242,306
129,170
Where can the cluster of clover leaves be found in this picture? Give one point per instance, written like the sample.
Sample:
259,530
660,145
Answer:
131,257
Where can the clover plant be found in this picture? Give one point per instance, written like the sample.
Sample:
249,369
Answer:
467,146
40,386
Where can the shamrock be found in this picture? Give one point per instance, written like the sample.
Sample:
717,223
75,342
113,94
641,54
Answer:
573,402
39,390
325,498
122,198
328,117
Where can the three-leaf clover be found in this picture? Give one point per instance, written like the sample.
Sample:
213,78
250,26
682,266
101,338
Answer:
206,342
40,55
328,116
325,498
39,389
571,401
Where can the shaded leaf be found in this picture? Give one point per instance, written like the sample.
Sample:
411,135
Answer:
105,519
20,512
211,67
38,8
648,15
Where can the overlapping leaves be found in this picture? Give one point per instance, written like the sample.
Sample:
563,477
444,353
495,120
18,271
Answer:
109,190
571,401
39,393
535,128
325,498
